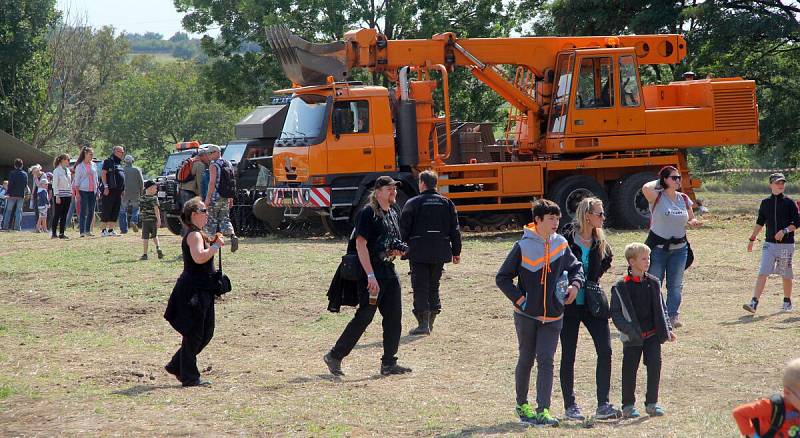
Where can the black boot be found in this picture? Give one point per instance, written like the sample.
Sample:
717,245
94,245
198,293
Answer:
433,318
424,325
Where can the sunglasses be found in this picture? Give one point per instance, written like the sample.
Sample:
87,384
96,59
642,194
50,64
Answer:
675,177
599,214
201,210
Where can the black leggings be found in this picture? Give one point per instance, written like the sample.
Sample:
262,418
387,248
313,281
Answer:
60,215
392,311
631,355
185,359
598,328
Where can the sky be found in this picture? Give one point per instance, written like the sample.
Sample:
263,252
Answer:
131,16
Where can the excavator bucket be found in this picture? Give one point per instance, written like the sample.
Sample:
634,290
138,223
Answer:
307,63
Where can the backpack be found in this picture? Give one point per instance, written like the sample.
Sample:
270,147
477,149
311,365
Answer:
184,173
776,418
227,179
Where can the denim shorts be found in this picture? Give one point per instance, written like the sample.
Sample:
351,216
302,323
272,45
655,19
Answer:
776,258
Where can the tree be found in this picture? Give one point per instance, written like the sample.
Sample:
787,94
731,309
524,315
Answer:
23,29
156,106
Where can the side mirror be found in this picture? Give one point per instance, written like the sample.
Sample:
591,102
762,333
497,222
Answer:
338,122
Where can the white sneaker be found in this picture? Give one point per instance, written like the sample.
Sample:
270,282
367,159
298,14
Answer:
112,233
104,233
787,307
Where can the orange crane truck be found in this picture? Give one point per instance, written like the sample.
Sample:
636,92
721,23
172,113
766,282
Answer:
580,123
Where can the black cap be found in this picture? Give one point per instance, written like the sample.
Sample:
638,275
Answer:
149,183
384,181
775,177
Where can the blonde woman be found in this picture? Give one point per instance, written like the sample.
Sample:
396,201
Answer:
588,243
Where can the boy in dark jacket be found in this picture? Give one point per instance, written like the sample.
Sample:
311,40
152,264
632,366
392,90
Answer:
548,276
639,312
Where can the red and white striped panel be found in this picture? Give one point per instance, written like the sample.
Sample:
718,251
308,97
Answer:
320,197
314,197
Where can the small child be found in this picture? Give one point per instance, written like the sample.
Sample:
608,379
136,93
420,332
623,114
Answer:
43,203
639,313
765,418
150,217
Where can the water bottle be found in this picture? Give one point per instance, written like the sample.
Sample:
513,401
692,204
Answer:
561,287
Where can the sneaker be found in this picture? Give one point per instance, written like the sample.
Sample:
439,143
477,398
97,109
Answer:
526,414
544,418
388,370
574,413
112,233
630,412
160,254
607,411
676,323
103,233
53,236
83,235
234,243
198,382
654,410
143,257
787,306
90,234
751,306
334,365
135,228
61,236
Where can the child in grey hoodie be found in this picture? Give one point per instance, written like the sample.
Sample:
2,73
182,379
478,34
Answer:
548,276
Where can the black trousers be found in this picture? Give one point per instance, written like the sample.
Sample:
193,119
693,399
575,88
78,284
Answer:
185,359
392,312
60,215
425,278
110,205
631,355
574,315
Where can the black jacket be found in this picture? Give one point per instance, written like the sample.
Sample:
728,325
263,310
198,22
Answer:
597,265
342,292
429,225
624,316
777,213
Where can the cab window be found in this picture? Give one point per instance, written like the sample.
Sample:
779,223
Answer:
629,87
560,106
354,116
595,83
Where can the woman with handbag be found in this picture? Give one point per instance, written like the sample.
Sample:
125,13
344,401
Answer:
670,213
190,309
588,243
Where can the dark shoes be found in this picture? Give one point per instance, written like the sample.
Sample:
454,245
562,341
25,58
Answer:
388,370
173,371
160,254
198,382
424,328
334,365
234,243
143,257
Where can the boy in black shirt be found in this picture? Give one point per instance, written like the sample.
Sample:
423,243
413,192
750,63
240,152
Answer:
375,240
639,313
779,214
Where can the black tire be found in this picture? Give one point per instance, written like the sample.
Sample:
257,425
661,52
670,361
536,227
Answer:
629,207
568,192
174,225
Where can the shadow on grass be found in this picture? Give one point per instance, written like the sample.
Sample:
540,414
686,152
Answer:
138,390
497,429
748,319
407,339
332,378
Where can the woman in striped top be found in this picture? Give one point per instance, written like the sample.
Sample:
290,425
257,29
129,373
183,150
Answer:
62,192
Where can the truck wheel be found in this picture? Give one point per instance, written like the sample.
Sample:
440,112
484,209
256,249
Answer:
174,225
629,207
570,191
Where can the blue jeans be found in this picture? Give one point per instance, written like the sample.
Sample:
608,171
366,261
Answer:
13,206
88,201
671,264
123,214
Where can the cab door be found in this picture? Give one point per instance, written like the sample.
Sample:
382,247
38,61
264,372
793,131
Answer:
631,103
595,86
351,144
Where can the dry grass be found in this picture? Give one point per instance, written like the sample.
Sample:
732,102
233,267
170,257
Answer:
82,343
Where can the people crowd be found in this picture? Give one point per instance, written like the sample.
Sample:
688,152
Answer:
550,276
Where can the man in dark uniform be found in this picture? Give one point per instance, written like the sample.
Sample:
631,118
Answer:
429,225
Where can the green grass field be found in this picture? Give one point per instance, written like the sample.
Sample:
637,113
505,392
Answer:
83,343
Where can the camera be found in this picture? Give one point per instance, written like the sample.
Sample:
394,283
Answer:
393,245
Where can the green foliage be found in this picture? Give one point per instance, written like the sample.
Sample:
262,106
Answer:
156,106
23,65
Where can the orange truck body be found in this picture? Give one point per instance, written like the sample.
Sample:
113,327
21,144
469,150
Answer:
580,123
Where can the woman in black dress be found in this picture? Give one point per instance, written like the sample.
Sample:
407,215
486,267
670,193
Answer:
190,309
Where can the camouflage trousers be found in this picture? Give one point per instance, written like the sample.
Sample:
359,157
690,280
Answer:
219,218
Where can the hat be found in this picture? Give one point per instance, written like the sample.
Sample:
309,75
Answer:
689,73
213,148
202,151
149,183
384,181
129,158
775,177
